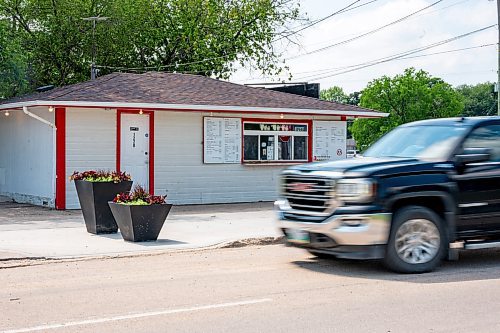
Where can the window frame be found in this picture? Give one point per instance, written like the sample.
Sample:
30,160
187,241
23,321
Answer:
276,134
472,132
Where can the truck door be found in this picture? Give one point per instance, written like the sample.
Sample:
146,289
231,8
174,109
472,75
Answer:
479,185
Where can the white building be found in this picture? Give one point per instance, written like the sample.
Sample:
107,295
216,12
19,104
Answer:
197,139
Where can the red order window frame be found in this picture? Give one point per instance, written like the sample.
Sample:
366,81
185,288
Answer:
277,121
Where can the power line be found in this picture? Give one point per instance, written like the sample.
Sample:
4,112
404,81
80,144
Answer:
366,33
319,21
324,70
395,56
332,70
354,34
341,12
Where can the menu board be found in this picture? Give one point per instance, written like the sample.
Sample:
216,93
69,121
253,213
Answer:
222,140
329,140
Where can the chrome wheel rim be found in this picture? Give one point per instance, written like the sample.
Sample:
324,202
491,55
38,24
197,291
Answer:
417,241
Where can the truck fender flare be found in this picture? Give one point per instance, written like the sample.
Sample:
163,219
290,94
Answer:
446,198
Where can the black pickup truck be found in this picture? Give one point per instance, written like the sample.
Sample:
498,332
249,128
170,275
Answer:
420,194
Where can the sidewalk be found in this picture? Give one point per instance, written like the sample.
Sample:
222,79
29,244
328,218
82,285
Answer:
34,232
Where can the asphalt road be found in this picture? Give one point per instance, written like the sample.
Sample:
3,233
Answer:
250,289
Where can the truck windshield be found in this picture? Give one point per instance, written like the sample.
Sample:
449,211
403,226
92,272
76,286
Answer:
420,142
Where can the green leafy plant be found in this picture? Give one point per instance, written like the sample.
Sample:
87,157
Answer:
193,36
100,176
410,96
140,197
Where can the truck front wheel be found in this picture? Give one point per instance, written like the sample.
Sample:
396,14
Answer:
417,241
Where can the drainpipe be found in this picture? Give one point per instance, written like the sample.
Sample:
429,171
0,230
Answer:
32,115
54,130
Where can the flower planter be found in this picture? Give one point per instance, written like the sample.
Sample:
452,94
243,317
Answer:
140,223
94,197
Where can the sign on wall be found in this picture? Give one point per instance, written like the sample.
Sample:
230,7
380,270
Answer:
222,140
329,140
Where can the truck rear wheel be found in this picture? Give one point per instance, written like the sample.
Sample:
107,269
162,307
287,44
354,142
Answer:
417,242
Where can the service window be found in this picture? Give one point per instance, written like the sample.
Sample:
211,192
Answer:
274,141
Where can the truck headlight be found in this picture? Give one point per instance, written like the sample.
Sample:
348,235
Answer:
356,190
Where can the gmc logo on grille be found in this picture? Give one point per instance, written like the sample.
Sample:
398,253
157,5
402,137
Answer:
302,187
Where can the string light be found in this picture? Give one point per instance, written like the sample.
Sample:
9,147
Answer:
51,109
141,112
7,113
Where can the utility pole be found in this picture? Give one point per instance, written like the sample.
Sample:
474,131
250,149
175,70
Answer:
95,19
498,56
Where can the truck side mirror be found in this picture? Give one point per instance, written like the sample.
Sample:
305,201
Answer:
473,155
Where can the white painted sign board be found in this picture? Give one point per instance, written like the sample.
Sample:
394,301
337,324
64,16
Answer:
222,140
329,140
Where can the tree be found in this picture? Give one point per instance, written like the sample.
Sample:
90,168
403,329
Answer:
337,94
479,99
13,67
334,94
413,95
354,98
197,36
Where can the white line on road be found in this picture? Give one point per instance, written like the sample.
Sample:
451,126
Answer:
137,315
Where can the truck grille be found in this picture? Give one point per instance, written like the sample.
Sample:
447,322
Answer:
309,193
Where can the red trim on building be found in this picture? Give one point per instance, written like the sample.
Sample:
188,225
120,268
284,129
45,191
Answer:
118,139
310,140
60,122
283,121
151,142
151,152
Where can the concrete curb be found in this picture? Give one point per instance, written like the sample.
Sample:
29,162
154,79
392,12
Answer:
17,261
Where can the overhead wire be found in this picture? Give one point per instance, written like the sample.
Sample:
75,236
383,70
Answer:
409,19
397,56
341,12
366,33
330,69
335,69
318,21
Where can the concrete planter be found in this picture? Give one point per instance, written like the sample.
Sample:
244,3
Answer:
140,223
94,197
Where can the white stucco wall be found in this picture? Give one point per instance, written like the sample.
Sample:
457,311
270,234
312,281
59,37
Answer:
90,144
27,172
181,174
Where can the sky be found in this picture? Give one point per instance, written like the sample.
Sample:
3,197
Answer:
444,20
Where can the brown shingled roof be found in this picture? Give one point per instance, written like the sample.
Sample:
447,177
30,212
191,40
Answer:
173,88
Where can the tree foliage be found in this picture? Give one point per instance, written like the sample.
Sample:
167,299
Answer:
413,95
13,66
198,36
479,99
334,94
337,94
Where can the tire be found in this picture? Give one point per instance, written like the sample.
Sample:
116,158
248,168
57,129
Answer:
417,242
